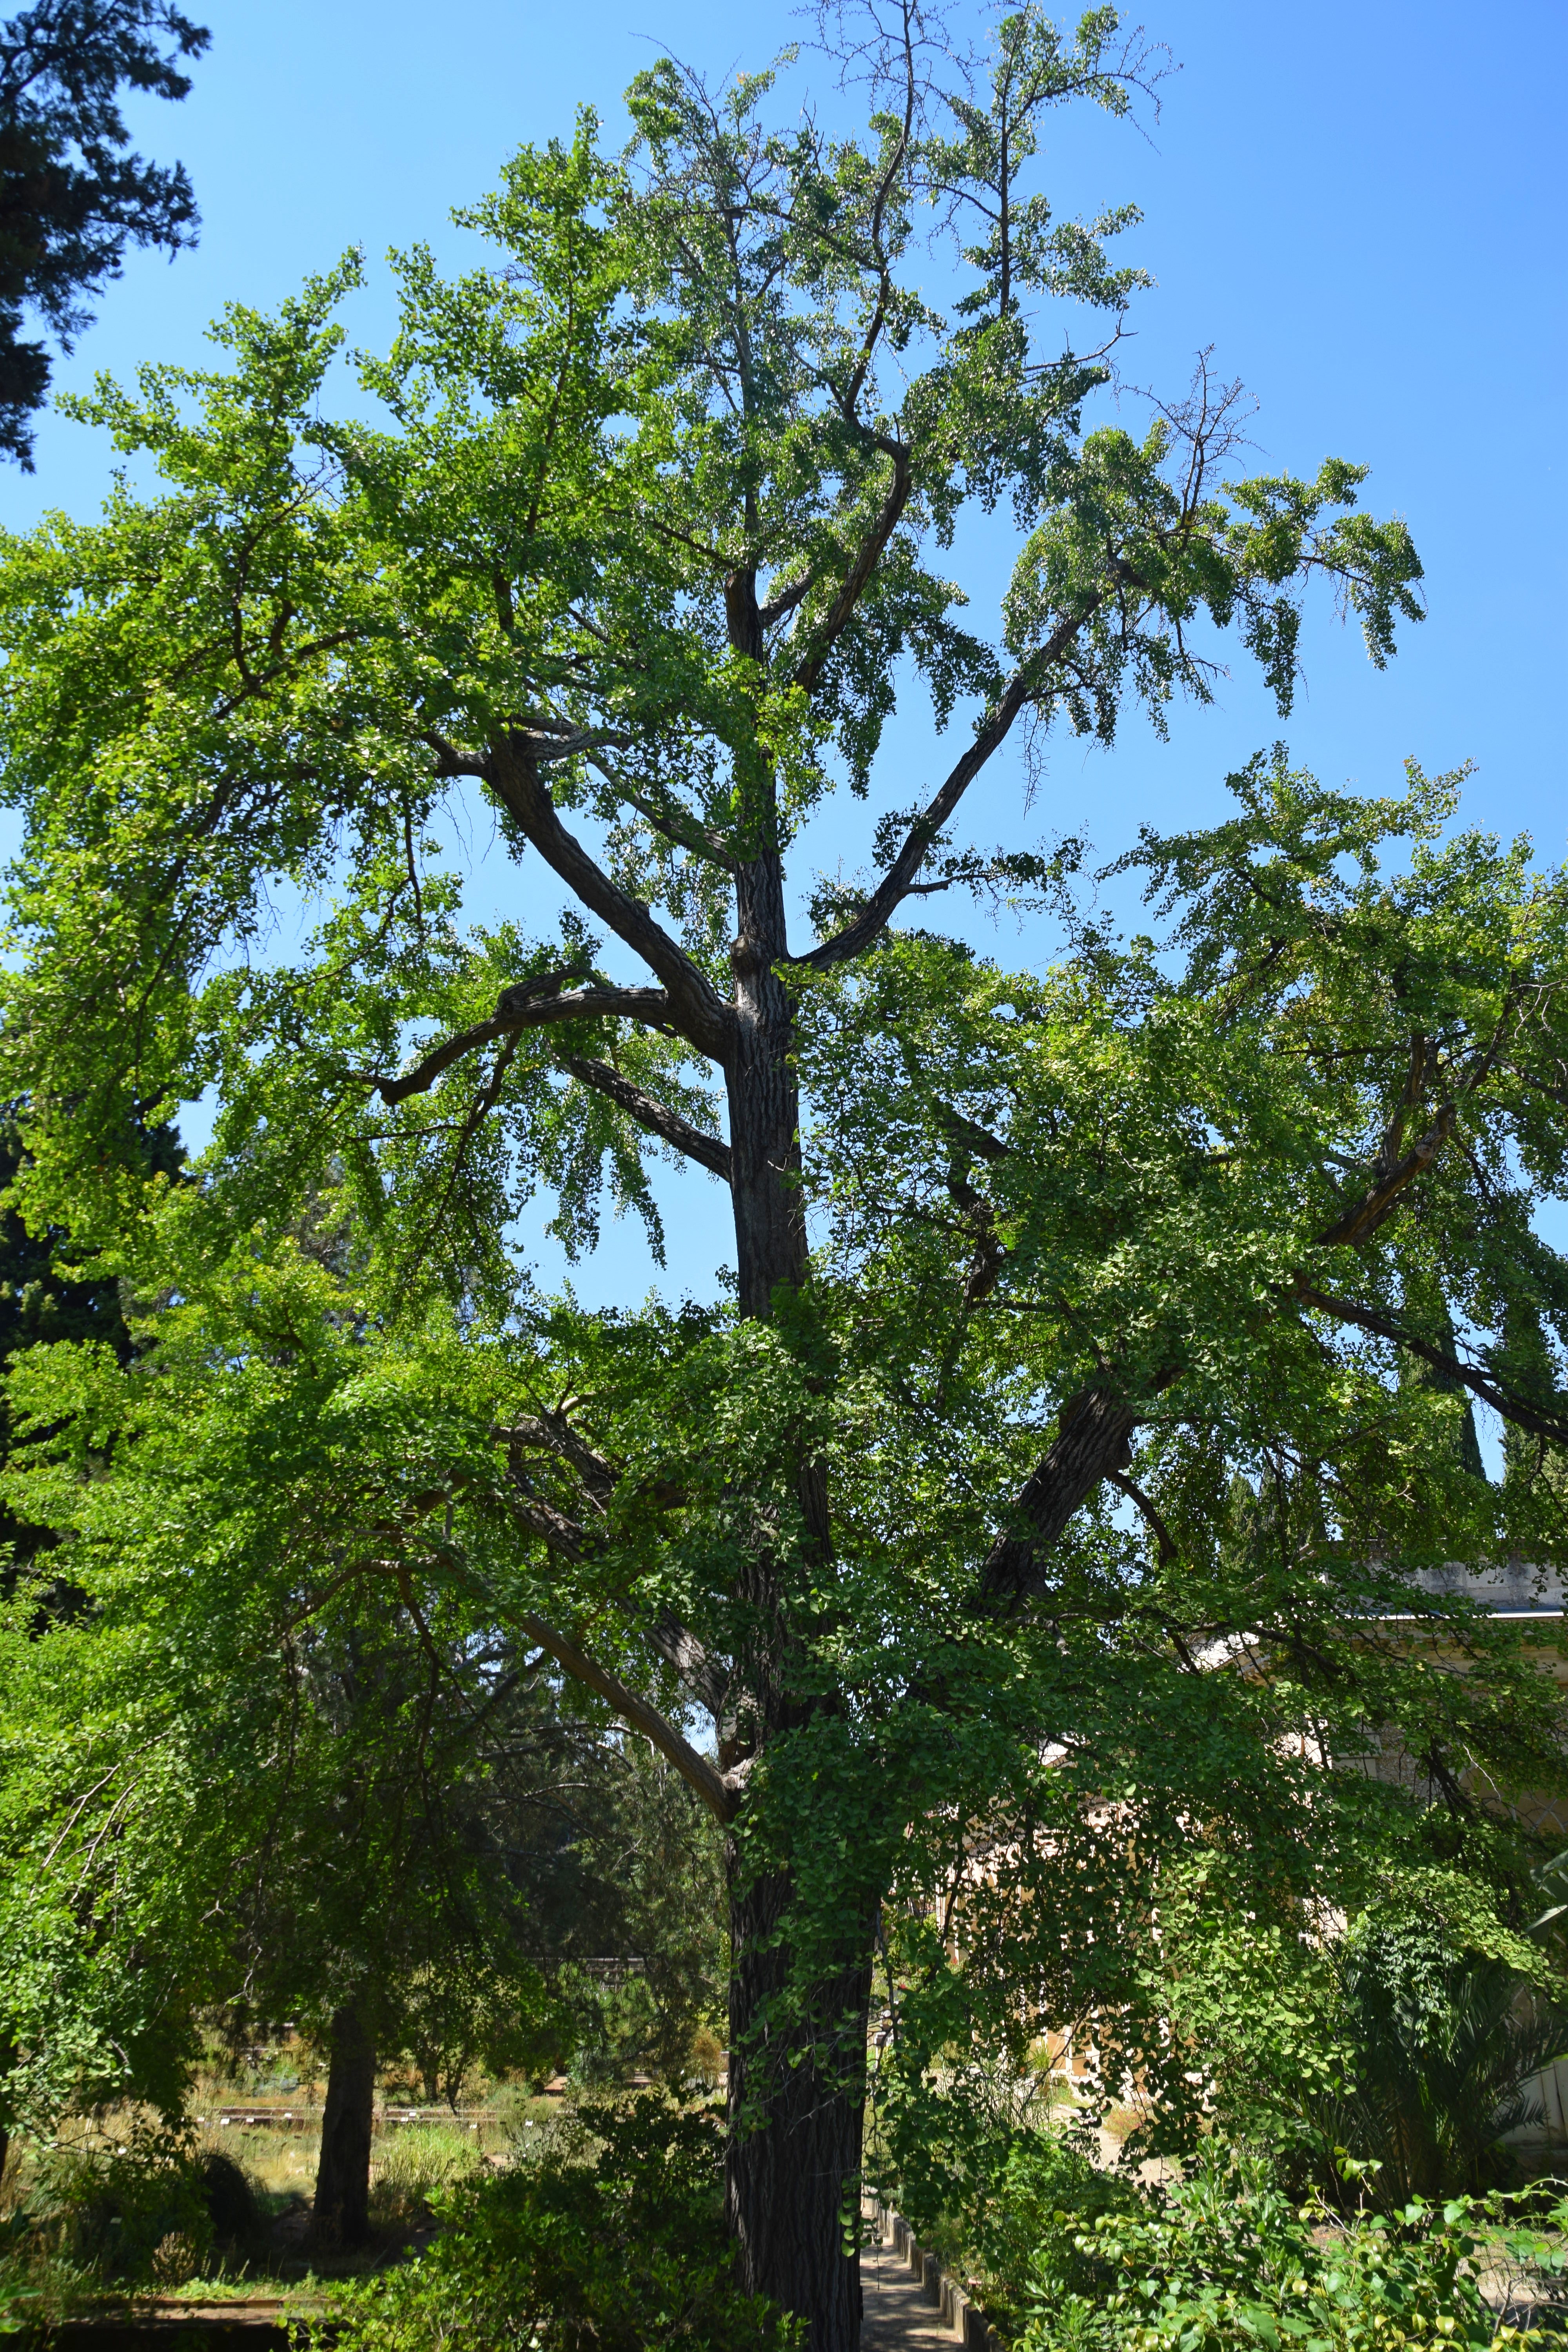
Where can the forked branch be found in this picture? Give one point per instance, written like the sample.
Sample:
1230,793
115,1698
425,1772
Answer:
693,1006
1359,1222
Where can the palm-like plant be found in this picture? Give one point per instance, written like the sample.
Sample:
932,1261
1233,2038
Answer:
1443,2049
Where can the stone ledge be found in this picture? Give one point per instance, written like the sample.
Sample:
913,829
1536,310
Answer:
938,2288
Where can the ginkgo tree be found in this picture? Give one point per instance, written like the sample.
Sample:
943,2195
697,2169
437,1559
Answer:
937,1522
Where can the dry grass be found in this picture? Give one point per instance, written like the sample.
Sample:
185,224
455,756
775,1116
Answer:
283,2163
409,2168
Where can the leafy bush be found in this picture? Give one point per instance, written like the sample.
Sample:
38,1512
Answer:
1018,2245
613,2239
136,2211
1223,2258
1410,2039
1445,2045
149,2211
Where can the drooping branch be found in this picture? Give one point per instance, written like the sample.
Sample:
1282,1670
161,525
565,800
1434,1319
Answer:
1164,1543
1022,688
1504,1401
677,825
695,1769
694,1006
704,1675
531,1005
657,1117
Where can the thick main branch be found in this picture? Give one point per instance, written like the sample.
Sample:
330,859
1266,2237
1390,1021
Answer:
896,885
1095,1439
657,1117
694,1006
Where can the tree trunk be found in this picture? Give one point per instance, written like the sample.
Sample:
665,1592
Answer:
764,1101
797,2100
796,2080
342,2219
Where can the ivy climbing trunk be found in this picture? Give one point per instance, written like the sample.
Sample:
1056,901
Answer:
341,2217
8,2060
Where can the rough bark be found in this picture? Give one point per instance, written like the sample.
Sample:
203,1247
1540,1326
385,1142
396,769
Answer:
341,2217
797,2057
764,1110
797,2095
1096,1436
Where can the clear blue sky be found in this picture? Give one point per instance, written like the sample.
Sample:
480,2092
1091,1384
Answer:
1362,208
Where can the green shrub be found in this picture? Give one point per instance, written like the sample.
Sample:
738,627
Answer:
150,2211
612,2240
1445,2045
1020,2250
134,2212
1223,2259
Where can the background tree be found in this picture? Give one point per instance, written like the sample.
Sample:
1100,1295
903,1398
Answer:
71,198
42,1298
364,1809
929,1523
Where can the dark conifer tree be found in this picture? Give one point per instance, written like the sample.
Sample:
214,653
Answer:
72,195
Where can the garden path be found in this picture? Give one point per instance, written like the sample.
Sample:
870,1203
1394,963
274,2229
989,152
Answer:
896,2319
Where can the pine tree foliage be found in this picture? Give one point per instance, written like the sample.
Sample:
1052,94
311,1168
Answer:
71,198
